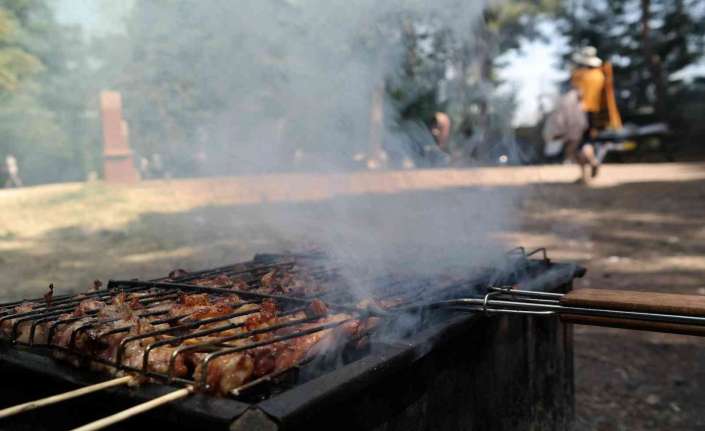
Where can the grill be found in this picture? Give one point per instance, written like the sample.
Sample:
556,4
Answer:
416,367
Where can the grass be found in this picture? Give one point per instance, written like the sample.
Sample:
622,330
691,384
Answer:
70,234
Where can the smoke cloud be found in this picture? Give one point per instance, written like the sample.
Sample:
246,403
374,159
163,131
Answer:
303,76
299,80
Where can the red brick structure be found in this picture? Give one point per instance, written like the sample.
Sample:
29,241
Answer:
118,165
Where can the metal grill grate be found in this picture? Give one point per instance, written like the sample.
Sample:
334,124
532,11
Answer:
258,313
133,327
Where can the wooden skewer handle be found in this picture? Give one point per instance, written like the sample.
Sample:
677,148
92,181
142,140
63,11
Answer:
647,302
640,325
25,407
136,410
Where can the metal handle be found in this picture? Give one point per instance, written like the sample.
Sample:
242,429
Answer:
504,300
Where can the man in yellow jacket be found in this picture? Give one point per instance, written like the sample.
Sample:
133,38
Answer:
589,80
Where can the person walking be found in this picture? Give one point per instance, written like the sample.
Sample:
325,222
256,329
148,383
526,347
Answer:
589,80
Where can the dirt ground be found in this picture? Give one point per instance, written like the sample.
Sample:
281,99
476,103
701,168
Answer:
637,227
644,234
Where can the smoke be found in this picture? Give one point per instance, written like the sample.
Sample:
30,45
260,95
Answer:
421,233
282,82
294,82
303,77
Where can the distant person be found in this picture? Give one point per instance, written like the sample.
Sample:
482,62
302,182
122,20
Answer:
589,80
13,172
440,129
438,154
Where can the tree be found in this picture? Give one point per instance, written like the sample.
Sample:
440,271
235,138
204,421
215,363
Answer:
481,117
16,62
251,85
42,97
646,40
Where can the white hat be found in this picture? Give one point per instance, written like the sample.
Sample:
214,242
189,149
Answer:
589,51
587,56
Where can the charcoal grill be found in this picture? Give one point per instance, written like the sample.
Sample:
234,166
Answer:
433,374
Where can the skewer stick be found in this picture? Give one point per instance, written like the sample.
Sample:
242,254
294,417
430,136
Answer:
31,405
134,411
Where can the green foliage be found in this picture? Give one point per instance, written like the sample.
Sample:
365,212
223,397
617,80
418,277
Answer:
181,65
44,94
614,27
16,63
511,20
32,133
174,73
480,117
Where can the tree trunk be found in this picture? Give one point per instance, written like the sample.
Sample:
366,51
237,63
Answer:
652,59
377,157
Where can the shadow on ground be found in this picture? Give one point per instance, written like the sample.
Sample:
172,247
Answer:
640,236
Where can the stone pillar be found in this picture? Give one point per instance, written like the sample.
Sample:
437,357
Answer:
118,165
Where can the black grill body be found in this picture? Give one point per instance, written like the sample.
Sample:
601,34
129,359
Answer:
456,371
